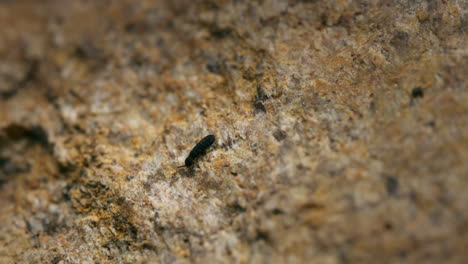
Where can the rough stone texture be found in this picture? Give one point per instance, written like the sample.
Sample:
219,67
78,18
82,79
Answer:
341,131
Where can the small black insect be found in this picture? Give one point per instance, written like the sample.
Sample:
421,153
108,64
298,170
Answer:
198,150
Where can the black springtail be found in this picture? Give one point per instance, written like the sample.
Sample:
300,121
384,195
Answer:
198,150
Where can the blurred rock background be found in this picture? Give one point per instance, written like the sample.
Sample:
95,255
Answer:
341,131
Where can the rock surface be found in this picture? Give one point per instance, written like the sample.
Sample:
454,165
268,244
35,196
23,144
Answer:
341,131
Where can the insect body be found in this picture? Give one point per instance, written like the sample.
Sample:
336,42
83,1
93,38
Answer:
198,150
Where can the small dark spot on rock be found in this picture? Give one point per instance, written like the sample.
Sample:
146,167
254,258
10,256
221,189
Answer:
391,184
148,246
130,27
129,177
137,61
132,230
136,26
221,32
260,97
417,92
38,134
277,211
323,19
9,93
3,161
88,52
279,135
66,168
80,52
52,224
147,186
237,208
261,94
413,196
95,184
228,143
56,259
66,194
430,124
259,107
388,226
35,134
400,40
372,106
261,235
301,166
121,224
214,66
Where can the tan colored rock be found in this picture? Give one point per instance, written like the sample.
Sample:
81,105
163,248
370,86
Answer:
340,131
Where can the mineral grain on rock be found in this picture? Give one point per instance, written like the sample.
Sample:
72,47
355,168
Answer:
341,131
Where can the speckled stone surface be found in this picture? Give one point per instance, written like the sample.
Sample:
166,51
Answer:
341,131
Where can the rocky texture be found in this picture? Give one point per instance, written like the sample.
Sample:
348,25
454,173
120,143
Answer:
341,131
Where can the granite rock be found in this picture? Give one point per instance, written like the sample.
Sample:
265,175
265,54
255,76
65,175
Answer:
341,131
